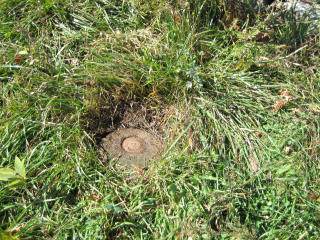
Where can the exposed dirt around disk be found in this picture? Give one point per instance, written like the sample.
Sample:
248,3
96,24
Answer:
128,134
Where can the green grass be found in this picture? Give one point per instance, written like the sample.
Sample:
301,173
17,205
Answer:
240,161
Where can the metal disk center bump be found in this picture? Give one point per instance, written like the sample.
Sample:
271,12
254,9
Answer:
134,144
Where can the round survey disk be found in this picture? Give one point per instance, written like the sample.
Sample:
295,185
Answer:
131,147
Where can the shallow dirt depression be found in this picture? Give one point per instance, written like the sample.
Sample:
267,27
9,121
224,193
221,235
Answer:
128,135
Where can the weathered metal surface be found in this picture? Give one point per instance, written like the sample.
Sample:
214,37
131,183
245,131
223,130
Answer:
131,147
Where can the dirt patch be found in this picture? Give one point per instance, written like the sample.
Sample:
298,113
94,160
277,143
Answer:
130,132
107,117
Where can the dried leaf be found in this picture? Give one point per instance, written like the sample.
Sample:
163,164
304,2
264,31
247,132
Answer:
260,36
286,95
253,162
258,134
15,230
314,108
18,59
190,143
229,20
312,196
94,198
278,105
139,170
176,17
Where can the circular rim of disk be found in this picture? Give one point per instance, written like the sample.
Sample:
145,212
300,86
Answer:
131,147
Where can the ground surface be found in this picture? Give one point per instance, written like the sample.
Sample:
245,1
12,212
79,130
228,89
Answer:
233,94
